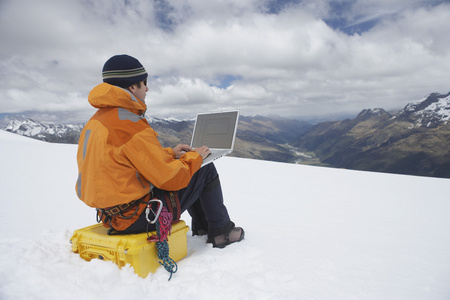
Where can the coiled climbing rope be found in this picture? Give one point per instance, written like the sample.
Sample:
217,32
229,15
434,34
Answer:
163,228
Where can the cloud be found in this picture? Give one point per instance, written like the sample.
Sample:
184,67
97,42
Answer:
293,58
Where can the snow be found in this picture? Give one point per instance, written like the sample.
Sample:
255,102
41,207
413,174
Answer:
441,108
311,233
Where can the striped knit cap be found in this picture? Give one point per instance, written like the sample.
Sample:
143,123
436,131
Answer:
123,70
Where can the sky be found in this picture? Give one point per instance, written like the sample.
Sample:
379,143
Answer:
310,60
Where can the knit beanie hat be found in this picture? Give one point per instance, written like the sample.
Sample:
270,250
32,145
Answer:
123,70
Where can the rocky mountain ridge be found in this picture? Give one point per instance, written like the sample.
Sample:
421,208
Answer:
414,141
431,112
58,133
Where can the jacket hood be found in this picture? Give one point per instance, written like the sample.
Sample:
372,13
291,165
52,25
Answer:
107,95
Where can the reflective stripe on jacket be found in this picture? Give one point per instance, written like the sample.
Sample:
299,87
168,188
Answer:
119,156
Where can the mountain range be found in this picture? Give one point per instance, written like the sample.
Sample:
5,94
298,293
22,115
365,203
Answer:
257,137
414,140
49,132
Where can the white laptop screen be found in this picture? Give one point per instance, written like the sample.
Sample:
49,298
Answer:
215,130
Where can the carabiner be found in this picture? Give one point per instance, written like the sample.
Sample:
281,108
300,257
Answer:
148,209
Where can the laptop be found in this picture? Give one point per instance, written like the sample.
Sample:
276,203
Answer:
217,131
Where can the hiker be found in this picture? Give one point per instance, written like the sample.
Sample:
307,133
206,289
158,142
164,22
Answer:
122,165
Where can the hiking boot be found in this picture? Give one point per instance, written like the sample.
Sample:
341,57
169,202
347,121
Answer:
232,235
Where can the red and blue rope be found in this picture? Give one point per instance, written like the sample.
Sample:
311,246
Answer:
163,228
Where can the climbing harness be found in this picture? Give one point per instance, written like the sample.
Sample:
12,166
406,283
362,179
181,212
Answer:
106,215
163,219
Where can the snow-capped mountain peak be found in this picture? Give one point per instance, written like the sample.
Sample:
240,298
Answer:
429,112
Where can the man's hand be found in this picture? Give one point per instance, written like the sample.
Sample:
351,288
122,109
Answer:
203,151
181,149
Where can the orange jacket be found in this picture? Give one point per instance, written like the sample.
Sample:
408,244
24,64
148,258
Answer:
119,156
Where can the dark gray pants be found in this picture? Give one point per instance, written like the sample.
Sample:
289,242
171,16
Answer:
203,200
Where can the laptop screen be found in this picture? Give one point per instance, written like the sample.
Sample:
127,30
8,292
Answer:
215,130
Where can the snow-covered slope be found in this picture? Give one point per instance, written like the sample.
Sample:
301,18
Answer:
311,233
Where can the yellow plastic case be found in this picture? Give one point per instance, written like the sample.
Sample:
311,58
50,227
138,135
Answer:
134,249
